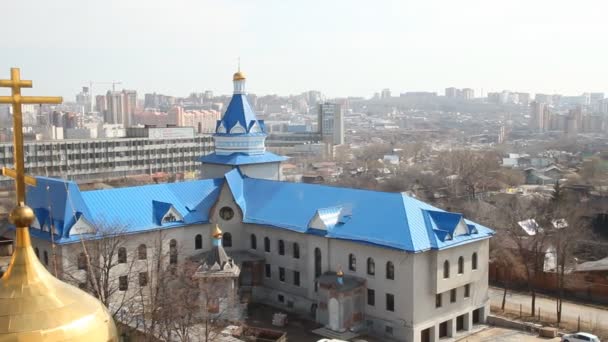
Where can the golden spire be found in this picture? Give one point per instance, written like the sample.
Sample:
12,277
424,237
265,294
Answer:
217,232
34,305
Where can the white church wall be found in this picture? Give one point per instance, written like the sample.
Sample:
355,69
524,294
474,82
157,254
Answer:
209,171
270,171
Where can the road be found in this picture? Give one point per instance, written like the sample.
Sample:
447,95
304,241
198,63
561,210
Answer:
589,315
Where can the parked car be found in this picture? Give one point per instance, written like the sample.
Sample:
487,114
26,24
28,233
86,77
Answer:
580,337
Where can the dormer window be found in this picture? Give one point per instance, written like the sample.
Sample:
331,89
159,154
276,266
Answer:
169,218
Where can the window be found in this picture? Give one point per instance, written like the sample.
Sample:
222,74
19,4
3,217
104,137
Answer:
226,213
170,218
281,247
318,262
143,278
467,291
253,241
371,297
296,250
446,269
267,271
198,241
390,302
281,274
352,262
122,255
438,300
142,252
281,298
46,258
388,330
123,283
390,270
227,240
266,245
371,267
37,252
453,295
460,265
296,278
82,261
474,261
173,252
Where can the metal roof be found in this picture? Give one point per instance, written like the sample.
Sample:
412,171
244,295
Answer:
392,220
239,112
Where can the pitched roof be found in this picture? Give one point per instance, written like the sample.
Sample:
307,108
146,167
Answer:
392,220
239,112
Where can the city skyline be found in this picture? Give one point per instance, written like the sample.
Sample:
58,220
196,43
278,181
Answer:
347,48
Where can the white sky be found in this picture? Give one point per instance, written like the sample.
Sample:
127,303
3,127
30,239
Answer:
341,47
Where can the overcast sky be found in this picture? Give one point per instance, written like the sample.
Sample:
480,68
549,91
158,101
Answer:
340,47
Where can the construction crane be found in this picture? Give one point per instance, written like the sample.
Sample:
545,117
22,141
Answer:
113,83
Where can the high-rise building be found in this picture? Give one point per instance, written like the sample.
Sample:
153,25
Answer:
385,94
331,123
100,104
540,116
452,92
523,98
468,93
115,107
129,106
543,98
84,99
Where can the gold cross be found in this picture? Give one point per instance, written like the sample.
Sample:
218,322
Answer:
16,83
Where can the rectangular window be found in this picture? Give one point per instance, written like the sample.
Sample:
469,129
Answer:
438,300
453,295
371,300
267,271
281,298
390,302
388,330
296,278
281,274
123,283
143,278
467,291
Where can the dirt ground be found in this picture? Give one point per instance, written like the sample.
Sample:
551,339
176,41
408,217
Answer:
504,335
299,329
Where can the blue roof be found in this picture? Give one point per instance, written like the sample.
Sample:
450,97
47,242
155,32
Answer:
391,220
239,158
133,209
239,111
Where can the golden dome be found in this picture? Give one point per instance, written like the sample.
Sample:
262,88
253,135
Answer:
239,75
35,306
217,232
340,273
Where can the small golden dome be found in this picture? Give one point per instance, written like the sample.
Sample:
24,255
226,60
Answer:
340,273
239,75
35,306
217,232
22,216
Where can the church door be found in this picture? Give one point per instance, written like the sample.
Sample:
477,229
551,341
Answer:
334,314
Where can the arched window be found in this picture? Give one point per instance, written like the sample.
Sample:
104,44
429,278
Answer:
371,266
352,262
281,247
390,270
446,269
198,241
227,240
173,252
82,261
37,252
142,252
296,250
267,244
46,258
318,262
474,261
254,241
460,265
122,255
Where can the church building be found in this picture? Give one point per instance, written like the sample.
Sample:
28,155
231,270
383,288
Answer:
353,260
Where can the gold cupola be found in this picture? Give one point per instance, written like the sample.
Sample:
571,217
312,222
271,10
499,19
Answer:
238,76
217,232
34,305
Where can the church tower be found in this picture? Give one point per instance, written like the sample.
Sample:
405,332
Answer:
240,141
